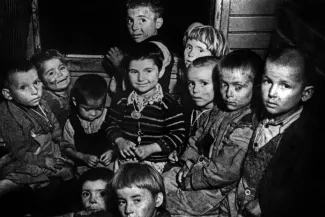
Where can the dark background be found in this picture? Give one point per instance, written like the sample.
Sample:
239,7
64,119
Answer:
91,27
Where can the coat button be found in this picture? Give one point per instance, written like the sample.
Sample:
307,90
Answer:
248,192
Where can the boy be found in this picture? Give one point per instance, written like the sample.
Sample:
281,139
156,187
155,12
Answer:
95,193
144,19
212,159
140,191
276,169
29,129
146,124
84,137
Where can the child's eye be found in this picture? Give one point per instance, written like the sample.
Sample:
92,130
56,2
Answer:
266,81
285,86
223,84
120,202
37,82
201,50
129,21
204,83
238,87
190,84
85,194
51,73
22,88
133,71
62,68
188,47
143,20
136,201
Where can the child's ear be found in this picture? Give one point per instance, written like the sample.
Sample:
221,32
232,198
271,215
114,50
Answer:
159,22
74,101
159,199
307,93
6,94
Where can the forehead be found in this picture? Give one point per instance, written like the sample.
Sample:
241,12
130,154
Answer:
141,11
236,75
196,43
142,64
23,77
94,103
203,72
94,185
133,191
48,64
281,72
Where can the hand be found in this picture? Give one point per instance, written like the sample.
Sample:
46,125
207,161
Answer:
53,163
90,160
115,56
106,157
124,147
143,152
172,157
184,171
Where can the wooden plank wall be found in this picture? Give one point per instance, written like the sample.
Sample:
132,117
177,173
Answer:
246,23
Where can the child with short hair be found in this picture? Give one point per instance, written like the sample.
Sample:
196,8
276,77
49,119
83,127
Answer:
203,40
95,193
140,191
213,157
276,178
84,136
144,19
30,131
146,124
53,71
201,88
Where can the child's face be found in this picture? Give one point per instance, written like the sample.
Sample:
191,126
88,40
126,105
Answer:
236,88
56,76
25,88
282,88
137,202
92,110
142,23
193,50
200,86
94,195
143,75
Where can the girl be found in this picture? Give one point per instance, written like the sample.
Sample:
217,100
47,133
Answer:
146,124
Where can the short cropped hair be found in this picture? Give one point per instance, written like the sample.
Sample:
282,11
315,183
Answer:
41,57
155,6
244,59
206,61
94,174
214,39
293,56
12,66
89,86
144,51
139,175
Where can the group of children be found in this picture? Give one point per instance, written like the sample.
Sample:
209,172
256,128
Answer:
238,142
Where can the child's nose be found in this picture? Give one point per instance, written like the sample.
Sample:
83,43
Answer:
93,198
140,76
135,26
33,90
273,91
128,209
229,93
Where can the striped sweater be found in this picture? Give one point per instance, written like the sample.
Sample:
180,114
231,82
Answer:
161,122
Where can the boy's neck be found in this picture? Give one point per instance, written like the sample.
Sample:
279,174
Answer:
281,117
64,93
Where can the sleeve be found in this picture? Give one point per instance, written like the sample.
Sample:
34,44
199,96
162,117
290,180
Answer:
68,137
19,143
191,152
175,137
57,132
112,122
224,167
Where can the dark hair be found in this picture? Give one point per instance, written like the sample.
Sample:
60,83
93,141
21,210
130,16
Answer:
89,86
38,59
244,59
155,5
293,56
139,175
12,66
142,51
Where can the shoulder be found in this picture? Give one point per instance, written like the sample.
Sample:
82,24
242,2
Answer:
170,101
